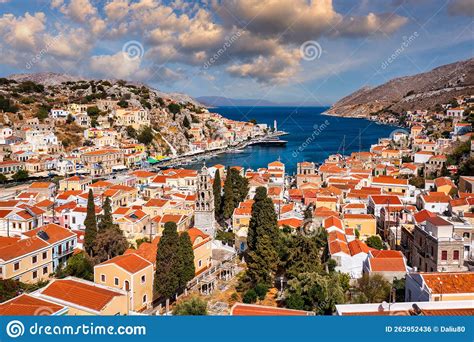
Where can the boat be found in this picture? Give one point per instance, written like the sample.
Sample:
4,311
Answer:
236,151
271,142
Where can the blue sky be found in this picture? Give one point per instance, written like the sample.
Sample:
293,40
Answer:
299,51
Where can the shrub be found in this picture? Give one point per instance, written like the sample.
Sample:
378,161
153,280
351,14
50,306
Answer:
250,297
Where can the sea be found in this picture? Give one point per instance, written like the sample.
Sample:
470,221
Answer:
312,136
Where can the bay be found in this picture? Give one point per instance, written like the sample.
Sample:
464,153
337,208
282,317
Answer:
312,136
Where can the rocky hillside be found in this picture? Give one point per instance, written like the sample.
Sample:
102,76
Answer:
424,90
24,96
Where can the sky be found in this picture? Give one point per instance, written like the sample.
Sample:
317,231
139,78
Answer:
293,51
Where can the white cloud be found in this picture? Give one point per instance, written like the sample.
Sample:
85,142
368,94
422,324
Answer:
117,66
79,10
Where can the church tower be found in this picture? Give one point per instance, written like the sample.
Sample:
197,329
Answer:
204,206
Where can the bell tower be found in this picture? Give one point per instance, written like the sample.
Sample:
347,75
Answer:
204,206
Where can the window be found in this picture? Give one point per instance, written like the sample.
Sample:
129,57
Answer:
45,255
143,279
456,255
199,263
45,270
34,259
102,278
465,235
116,281
444,255
35,274
16,266
144,299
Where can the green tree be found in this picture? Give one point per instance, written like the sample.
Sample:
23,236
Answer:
109,243
228,199
186,260
80,266
217,190
186,122
174,108
20,175
106,220
146,135
93,111
167,262
192,307
42,113
372,289
263,240
90,222
131,132
318,292
3,178
250,296
303,257
375,241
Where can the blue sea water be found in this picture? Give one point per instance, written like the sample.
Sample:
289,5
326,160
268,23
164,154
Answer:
312,136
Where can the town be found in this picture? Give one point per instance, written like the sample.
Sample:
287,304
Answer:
98,218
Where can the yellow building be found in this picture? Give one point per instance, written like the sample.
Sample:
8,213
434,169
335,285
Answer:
364,223
391,185
34,256
74,183
202,247
130,273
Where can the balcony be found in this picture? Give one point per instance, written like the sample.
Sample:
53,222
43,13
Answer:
63,252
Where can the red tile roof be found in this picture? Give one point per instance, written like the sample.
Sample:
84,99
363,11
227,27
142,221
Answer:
26,305
240,309
132,263
454,282
81,293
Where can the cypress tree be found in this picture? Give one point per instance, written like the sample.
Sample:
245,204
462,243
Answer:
228,204
106,220
217,190
90,223
168,262
262,239
186,259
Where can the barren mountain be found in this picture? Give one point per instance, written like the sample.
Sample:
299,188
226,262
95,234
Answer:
419,91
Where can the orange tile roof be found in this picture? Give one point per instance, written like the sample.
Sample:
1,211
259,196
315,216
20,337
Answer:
240,309
423,215
291,222
80,293
20,247
386,199
453,282
55,232
40,185
357,246
132,263
387,265
243,211
333,221
389,180
194,233
26,305
359,216
156,202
